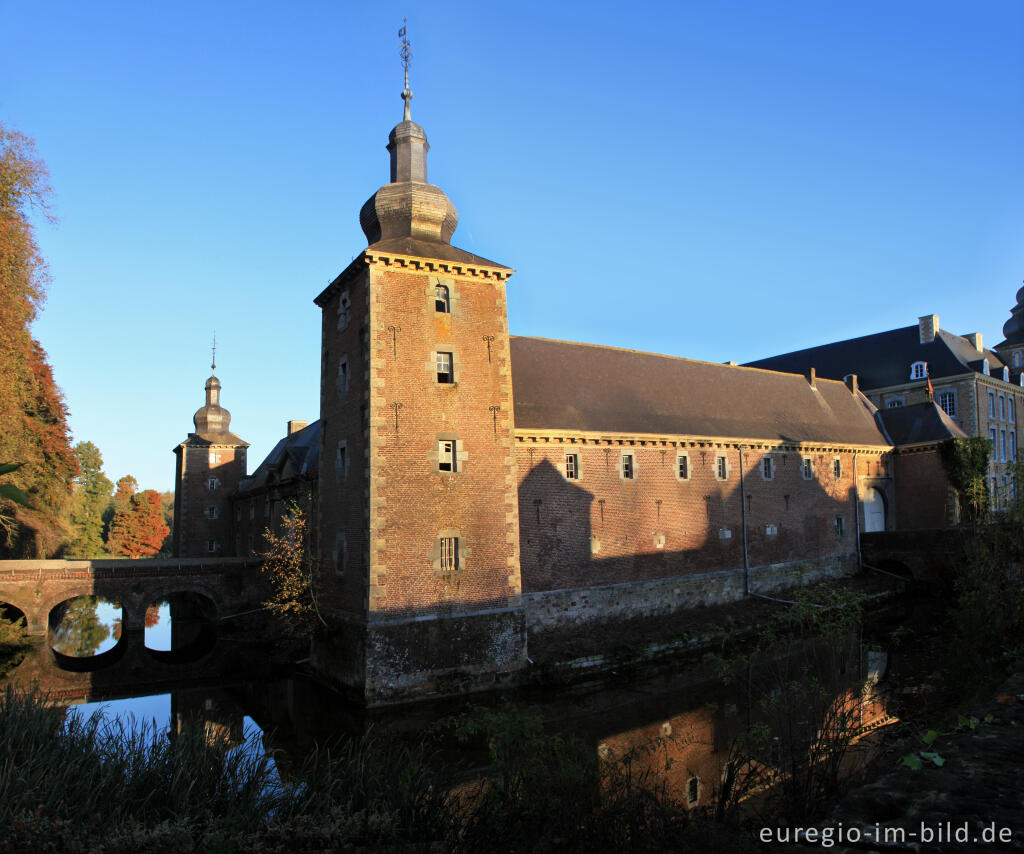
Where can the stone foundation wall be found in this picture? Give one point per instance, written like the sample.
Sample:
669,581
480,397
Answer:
557,608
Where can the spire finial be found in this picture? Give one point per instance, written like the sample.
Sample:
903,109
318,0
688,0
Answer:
405,52
213,364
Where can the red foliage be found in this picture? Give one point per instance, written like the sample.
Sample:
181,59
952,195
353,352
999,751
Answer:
138,529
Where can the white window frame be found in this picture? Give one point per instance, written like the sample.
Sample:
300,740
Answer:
448,455
627,466
572,466
894,402
919,370
1002,407
442,299
807,468
214,458
448,551
444,358
721,467
213,484
1012,450
985,368
1006,374
767,467
683,466
950,395
991,404
1002,445
992,436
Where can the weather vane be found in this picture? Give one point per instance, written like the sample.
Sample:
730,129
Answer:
213,365
405,52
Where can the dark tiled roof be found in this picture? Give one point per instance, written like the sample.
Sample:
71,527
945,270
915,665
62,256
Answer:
221,437
563,386
431,249
882,359
921,422
301,450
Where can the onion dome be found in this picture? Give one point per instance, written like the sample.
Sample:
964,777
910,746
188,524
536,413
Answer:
212,418
1013,329
408,206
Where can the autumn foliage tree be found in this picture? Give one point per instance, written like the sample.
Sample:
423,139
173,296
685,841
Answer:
290,568
33,418
137,528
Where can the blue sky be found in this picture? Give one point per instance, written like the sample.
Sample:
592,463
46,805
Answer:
712,180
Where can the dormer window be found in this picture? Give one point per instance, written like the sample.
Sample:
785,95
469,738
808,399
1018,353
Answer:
1016,358
918,370
1006,374
985,368
442,301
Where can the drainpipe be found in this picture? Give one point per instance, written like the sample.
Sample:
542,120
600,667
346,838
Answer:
743,516
856,504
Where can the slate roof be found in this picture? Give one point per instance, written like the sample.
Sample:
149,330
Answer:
431,249
559,385
920,422
295,455
884,359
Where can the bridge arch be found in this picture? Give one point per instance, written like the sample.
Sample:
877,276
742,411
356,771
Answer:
12,611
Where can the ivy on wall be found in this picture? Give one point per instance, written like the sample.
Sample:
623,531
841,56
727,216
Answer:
966,462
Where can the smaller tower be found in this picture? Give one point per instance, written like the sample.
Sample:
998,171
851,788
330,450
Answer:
1011,350
210,464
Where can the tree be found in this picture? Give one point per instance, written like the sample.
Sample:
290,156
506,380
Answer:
33,418
79,630
289,567
137,528
92,495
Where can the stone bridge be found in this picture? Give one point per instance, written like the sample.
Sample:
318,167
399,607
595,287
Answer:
36,587
928,555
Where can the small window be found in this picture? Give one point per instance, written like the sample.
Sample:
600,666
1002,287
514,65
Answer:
343,374
985,368
444,368
1016,358
837,468
840,526
1002,408
344,310
449,554
341,461
1013,447
211,546
212,512
442,302
213,484
918,371
683,467
893,402
1011,411
214,458
447,459
572,466
721,467
807,468
995,448
1002,446
947,402
771,530
627,466
693,791
1006,374
767,468
991,404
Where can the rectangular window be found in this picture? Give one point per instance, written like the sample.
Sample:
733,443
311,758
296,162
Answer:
442,301
449,554
211,545
894,403
212,512
771,530
344,309
572,466
212,484
1002,408
995,445
214,458
683,467
991,404
444,368
767,469
947,402
837,468
721,467
1012,411
343,375
807,468
840,526
1002,446
627,466
693,791
447,458
1012,450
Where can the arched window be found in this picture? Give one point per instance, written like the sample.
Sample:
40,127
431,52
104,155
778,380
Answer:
918,371
1016,358
442,301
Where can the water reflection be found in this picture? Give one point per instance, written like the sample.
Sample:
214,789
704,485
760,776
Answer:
85,626
180,626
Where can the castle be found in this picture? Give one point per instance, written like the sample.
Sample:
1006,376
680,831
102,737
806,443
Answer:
470,489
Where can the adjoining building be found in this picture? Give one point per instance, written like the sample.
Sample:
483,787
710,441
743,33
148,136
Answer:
979,389
469,487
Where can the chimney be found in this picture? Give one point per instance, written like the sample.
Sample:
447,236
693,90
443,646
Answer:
851,383
927,326
811,377
296,426
974,339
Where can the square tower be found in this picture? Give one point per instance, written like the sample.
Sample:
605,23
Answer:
419,533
